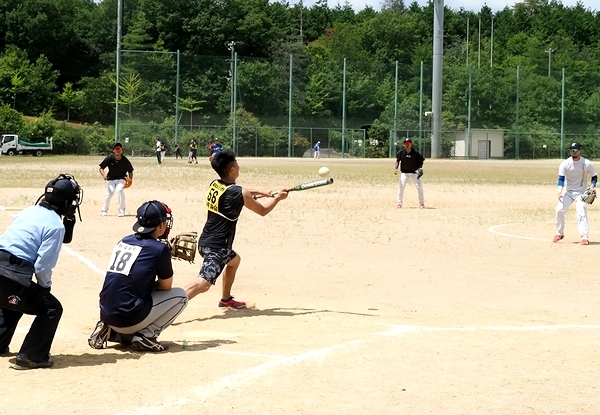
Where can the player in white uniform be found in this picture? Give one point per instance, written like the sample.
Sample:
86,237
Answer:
572,182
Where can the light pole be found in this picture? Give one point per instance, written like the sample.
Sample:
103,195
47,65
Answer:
231,47
549,52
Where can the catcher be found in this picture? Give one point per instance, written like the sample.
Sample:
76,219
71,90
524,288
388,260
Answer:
572,183
137,301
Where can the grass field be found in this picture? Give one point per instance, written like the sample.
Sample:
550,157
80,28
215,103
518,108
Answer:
465,307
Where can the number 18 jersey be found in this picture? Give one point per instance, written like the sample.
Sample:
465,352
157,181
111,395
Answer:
126,297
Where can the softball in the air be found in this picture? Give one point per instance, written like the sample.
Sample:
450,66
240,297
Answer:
323,172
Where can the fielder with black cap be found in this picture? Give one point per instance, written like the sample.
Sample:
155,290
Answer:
137,301
410,162
119,168
31,246
572,183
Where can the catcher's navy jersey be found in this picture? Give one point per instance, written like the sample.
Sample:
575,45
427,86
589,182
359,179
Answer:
219,229
125,299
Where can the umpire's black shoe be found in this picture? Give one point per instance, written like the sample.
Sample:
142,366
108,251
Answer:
25,364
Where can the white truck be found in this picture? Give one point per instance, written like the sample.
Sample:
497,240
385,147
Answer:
11,145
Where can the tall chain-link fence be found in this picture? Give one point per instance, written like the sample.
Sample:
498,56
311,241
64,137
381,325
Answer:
259,107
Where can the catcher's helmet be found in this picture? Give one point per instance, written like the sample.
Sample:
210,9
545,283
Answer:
150,215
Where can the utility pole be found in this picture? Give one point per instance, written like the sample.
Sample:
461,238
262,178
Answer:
549,52
231,47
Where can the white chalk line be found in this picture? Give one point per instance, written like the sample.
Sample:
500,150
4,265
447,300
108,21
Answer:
248,376
510,235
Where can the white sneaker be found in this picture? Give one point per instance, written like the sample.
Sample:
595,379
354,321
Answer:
104,213
121,214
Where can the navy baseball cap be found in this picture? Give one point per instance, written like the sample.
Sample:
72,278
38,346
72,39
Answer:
408,140
117,145
149,216
575,146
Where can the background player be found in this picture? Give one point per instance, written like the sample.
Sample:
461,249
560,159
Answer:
119,167
217,147
317,150
409,160
572,179
225,201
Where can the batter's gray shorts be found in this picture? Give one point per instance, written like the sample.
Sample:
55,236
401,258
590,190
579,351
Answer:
214,262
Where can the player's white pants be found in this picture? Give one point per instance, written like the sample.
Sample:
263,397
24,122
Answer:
580,207
113,186
162,155
166,306
317,154
403,180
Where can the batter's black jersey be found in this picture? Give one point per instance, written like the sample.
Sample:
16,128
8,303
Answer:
135,263
225,203
409,162
117,169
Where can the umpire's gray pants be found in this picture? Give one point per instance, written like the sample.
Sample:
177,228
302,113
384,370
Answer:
166,306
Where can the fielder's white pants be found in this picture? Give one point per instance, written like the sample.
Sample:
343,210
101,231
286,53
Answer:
166,306
569,197
113,186
162,155
403,180
317,154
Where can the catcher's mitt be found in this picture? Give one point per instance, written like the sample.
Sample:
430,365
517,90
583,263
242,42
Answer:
128,182
183,246
419,172
589,196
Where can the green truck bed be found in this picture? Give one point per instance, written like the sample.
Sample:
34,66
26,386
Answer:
28,144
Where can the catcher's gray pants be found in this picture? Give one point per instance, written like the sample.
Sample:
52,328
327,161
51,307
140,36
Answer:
403,180
166,306
580,207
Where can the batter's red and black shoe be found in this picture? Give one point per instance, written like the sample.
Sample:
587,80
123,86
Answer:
585,242
232,303
557,238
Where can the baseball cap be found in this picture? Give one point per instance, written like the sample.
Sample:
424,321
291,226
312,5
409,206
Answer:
117,145
575,146
408,140
149,216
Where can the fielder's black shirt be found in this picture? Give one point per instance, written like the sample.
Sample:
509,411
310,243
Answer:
409,162
117,169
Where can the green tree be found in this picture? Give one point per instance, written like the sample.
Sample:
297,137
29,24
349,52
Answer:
129,91
71,98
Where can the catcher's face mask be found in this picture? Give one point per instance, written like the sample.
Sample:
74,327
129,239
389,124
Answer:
169,222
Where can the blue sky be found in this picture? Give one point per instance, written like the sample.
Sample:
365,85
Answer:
474,5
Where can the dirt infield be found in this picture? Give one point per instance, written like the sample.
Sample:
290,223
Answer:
465,307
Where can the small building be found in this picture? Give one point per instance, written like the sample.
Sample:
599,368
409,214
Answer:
485,144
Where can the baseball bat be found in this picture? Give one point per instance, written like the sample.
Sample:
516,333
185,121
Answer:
305,186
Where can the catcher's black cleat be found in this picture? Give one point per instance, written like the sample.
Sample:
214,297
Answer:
100,336
25,364
149,344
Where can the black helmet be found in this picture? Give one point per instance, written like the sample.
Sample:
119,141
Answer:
63,194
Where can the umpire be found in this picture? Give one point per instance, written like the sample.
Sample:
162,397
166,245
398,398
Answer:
31,245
